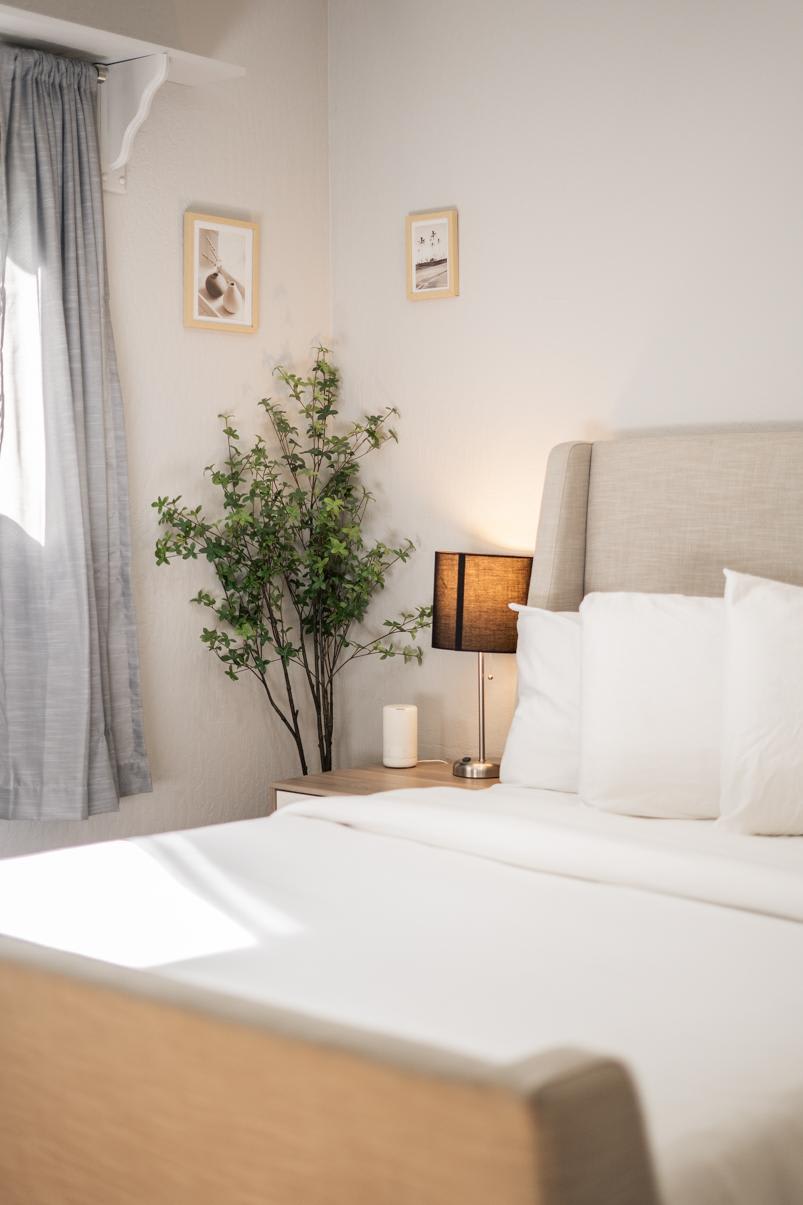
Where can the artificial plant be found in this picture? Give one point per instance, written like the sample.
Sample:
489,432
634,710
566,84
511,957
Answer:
295,570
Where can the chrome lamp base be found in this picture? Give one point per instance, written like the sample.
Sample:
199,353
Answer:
472,767
478,767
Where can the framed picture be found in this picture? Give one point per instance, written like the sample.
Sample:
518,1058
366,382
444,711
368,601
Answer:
221,258
432,257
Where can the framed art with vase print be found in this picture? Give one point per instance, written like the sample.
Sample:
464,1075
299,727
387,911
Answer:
221,256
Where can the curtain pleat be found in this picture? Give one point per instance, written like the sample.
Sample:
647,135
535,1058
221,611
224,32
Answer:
71,737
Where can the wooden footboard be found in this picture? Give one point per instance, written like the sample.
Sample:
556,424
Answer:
112,1095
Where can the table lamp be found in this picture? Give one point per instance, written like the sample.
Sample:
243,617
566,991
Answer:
470,614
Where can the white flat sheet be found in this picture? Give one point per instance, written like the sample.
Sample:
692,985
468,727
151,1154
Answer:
496,924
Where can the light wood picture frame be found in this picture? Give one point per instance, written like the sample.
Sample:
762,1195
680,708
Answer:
432,255
221,273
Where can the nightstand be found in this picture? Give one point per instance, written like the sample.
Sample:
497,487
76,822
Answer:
367,780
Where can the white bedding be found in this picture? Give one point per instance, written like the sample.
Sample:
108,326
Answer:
496,924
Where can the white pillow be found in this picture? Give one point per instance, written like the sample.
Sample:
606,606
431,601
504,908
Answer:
543,745
651,704
762,737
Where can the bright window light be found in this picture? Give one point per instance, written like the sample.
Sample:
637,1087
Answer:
22,452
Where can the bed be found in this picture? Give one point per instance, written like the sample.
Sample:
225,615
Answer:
434,996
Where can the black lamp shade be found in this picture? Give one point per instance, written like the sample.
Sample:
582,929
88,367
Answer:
471,596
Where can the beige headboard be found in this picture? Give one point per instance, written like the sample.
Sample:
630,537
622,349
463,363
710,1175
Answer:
667,513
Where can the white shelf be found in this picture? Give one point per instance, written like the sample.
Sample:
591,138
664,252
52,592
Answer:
17,25
135,70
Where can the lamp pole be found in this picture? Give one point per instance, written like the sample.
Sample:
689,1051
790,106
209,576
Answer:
478,767
481,701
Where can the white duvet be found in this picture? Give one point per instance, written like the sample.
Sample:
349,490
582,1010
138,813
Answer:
496,924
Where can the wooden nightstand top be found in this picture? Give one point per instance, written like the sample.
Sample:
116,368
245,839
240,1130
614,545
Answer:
367,780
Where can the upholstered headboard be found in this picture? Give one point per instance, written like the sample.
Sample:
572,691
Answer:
667,513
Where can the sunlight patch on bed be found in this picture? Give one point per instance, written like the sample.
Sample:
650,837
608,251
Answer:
113,902
181,856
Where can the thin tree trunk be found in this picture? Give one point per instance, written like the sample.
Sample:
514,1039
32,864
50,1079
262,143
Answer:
327,726
301,756
293,728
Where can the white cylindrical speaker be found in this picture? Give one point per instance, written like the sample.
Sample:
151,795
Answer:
400,735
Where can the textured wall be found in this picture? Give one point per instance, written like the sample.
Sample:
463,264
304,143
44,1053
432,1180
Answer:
254,148
630,183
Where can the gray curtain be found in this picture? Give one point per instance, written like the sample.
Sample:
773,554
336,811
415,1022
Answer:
71,740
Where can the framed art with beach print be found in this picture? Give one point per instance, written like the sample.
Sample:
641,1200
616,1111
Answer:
221,257
432,255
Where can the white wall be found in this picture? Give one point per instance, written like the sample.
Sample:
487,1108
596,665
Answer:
253,148
629,178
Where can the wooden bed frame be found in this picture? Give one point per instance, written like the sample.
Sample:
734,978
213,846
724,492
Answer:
116,1089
